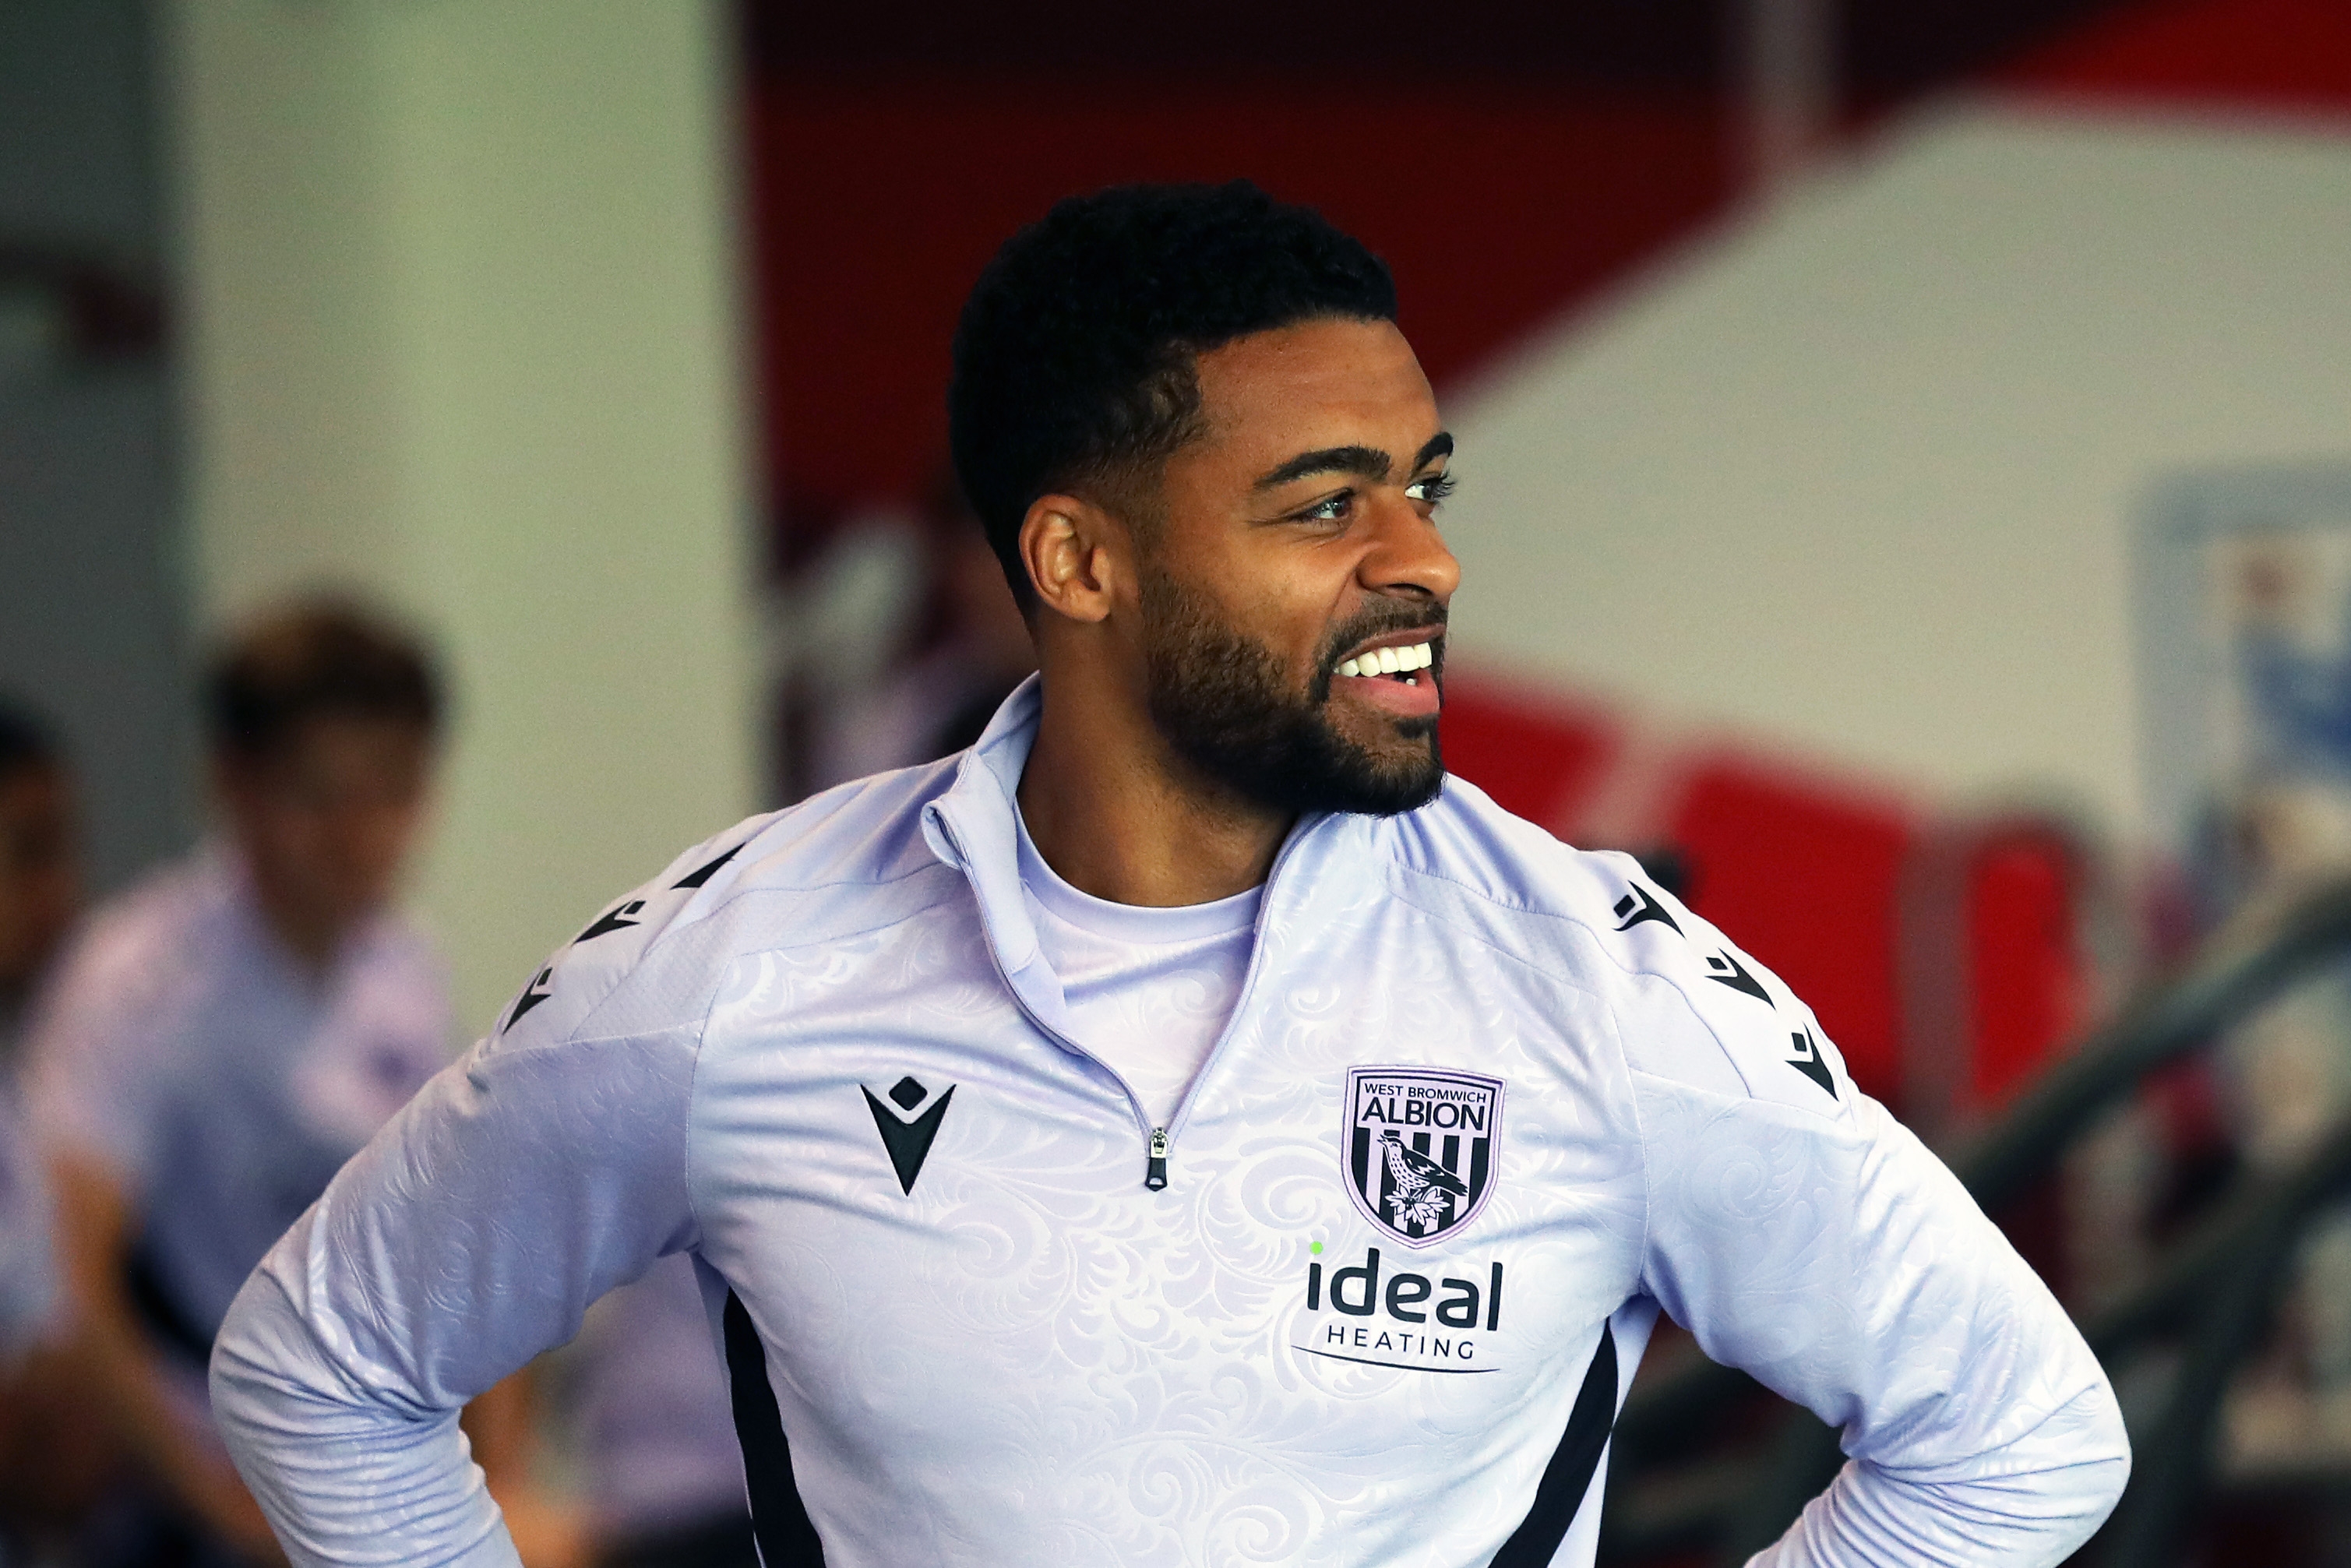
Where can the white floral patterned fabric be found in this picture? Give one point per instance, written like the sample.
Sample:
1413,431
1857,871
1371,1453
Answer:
1484,1106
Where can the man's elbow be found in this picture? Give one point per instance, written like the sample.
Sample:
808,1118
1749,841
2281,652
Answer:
2093,1464
2106,1444
263,1355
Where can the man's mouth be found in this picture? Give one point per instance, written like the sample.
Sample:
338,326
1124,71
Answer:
1400,664
1396,678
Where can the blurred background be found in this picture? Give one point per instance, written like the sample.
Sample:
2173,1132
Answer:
1907,460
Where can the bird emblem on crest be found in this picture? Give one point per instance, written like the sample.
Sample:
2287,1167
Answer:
1422,1189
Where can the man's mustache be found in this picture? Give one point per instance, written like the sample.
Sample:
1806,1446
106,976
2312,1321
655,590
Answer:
1376,622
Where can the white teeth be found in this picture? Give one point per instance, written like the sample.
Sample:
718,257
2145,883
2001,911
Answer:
1390,661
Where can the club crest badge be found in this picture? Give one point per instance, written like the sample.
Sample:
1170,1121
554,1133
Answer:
1421,1145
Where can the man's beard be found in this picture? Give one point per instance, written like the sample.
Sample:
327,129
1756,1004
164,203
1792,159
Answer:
1227,705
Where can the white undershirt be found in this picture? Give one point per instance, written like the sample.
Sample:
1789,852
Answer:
1148,990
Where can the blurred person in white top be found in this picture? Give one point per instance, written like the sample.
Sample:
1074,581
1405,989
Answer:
968,648
49,1466
226,1034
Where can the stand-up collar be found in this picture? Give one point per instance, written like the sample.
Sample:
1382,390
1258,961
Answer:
974,826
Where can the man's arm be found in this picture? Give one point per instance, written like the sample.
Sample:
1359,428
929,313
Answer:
124,1375
1837,1260
27,1238
469,1236
93,1071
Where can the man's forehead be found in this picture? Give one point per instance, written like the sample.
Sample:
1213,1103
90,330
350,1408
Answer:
1318,383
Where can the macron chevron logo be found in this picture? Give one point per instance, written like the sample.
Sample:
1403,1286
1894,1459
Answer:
905,1136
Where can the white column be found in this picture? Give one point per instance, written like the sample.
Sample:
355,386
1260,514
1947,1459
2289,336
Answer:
462,334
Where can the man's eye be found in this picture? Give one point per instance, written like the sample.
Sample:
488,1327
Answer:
1431,489
1330,510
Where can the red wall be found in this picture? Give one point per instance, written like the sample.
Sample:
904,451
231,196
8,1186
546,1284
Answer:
876,204
2289,56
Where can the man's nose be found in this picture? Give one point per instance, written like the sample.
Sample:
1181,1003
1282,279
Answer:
1408,557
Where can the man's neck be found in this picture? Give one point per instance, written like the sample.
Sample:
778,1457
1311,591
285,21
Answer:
1120,816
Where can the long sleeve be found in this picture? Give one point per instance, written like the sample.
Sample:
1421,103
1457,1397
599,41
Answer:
472,1234
1835,1259
28,1270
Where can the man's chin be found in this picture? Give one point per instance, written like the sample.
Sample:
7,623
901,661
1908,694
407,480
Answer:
1387,745
1401,774
1408,790
1388,698
1317,768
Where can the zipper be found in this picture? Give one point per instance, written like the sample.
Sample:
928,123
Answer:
1249,978
1155,1168
1155,1175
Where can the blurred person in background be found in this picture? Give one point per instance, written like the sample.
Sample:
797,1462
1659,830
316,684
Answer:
969,648
44,1470
40,877
37,1462
223,1036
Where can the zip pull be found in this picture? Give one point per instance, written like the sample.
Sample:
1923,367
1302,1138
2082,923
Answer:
1154,1174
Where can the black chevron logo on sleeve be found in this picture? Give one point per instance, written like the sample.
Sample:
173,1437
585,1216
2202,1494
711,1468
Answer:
908,1142
618,920
1804,1056
537,992
696,879
1725,970
1637,907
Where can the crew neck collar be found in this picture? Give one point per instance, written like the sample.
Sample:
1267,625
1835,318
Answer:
1130,923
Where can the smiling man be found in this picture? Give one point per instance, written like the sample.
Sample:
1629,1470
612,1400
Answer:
1187,1127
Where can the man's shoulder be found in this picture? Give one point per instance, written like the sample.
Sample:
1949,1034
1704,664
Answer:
1689,1003
1591,910
852,859
142,954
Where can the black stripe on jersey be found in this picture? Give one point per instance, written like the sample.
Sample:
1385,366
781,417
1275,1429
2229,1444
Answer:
705,874
780,1520
1568,1477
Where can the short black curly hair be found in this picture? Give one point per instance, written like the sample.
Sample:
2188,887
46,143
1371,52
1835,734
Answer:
1073,361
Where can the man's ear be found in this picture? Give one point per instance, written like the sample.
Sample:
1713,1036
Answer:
1074,551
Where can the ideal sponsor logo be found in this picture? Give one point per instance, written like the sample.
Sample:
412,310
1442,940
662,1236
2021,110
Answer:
1408,1320
1420,1148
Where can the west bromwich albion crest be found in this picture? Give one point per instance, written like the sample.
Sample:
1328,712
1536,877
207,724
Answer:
1421,1144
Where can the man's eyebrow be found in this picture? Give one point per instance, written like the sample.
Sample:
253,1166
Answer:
1363,462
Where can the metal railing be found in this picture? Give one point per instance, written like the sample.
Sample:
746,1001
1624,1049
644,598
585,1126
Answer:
2219,1287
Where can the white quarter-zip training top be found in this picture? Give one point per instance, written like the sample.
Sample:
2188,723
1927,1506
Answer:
1371,1297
